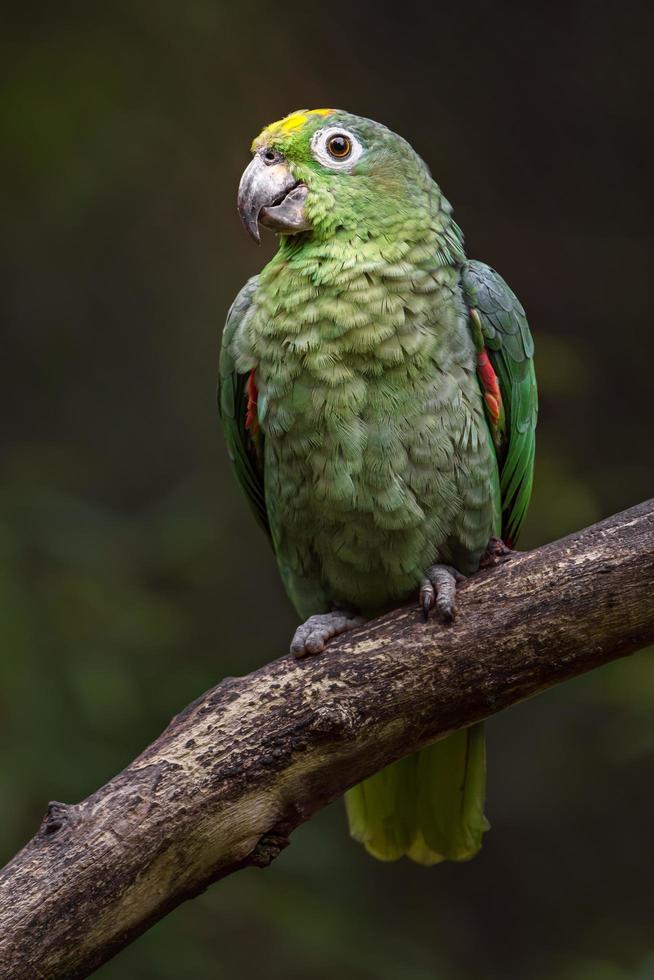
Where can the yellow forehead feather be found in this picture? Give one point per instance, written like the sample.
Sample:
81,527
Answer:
289,124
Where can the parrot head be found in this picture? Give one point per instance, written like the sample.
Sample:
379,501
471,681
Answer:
323,170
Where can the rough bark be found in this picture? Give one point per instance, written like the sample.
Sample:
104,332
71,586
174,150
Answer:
242,766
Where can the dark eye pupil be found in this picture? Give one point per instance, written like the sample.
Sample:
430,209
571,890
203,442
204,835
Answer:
339,146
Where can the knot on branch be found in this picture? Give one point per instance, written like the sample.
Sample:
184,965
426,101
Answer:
337,720
58,816
269,847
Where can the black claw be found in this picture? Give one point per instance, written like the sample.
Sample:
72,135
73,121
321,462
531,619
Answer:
426,605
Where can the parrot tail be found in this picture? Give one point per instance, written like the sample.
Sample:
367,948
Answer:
429,806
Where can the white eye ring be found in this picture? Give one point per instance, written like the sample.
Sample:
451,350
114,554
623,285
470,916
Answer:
319,148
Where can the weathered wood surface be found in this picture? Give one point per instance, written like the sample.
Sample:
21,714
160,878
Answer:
242,766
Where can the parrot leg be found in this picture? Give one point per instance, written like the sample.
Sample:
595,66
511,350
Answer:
438,588
312,635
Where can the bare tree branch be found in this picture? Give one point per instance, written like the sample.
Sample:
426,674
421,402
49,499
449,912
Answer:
242,766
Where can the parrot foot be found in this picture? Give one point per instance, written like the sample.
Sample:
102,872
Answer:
497,553
312,635
438,588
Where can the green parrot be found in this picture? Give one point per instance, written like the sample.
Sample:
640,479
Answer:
378,398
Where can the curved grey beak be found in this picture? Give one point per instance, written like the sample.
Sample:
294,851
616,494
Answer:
269,194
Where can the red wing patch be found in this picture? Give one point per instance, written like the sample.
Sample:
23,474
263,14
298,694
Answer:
490,386
251,418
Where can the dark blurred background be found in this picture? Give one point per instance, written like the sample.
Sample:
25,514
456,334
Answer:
125,542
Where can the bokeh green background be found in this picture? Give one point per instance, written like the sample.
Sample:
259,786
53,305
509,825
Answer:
127,552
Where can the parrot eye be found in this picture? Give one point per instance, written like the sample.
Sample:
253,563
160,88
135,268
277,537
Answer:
339,146
336,149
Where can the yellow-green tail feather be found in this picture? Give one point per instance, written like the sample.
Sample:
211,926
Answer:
429,806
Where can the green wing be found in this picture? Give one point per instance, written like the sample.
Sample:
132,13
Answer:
245,446
506,336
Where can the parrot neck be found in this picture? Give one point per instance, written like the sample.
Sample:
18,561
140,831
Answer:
342,299
407,258
418,228
362,291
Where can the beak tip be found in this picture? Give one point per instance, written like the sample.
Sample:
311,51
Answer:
250,225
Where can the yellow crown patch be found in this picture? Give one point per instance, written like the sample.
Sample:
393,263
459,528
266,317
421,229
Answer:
289,124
